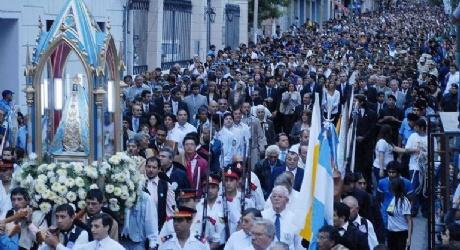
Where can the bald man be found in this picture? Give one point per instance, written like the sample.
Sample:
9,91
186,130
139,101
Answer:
363,224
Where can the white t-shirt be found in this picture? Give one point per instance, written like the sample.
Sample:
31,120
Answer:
397,221
384,147
416,141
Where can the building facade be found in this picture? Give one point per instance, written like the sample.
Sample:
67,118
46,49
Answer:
19,28
148,33
177,30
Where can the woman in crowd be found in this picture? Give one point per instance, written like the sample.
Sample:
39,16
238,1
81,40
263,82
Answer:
289,100
301,124
399,226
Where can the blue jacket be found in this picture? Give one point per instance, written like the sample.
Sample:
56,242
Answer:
141,221
277,171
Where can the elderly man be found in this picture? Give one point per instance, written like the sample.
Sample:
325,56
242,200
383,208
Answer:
132,92
264,168
263,234
282,218
242,238
363,224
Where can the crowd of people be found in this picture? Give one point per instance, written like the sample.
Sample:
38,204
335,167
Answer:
225,142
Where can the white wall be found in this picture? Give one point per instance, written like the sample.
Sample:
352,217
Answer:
27,13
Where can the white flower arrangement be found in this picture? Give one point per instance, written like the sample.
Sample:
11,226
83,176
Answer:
59,183
56,183
123,181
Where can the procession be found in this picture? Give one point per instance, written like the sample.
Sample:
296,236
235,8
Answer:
331,135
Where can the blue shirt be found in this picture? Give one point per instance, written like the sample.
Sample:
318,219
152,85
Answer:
384,188
7,243
5,106
405,131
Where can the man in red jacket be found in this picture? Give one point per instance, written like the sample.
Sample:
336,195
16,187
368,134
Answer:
195,165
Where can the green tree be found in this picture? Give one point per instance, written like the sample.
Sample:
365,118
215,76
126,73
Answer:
267,9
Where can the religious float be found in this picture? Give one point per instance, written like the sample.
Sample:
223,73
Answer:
73,97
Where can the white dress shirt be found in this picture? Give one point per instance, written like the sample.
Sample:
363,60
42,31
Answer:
230,144
238,240
371,236
287,233
178,133
106,243
242,133
152,187
192,243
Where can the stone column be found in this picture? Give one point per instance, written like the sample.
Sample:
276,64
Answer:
99,94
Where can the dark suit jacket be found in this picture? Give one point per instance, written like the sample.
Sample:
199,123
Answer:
275,95
366,125
263,170
151,109
141,120
297,178
160,105
370,93
300,108
354,239
178,176
344,94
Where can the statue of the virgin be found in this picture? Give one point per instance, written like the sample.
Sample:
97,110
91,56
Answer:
72,135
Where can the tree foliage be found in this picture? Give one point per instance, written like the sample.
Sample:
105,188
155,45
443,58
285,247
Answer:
267,9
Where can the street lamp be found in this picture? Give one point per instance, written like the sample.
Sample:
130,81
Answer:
211,14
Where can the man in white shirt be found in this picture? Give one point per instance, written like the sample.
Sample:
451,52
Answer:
230,144
282,218
181,128
159,190
363,224
183,237
242,238
69,236
100,228
241,131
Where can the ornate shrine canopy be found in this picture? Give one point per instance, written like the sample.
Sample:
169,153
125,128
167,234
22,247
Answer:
77,26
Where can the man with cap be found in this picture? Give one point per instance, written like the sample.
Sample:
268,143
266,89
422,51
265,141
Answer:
214,210
6,103
188,198
183,237
231,181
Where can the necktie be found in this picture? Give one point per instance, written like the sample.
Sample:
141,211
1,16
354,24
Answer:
269,92
136,124
282,155
277,227
356,224
98,245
